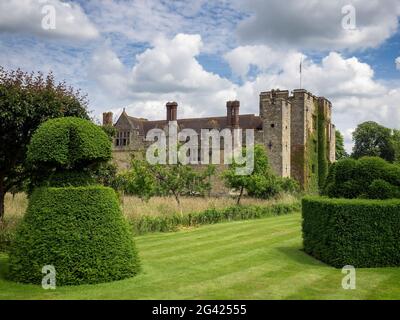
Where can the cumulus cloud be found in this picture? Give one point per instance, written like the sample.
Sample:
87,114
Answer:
317,25
27,16
347,82
170,71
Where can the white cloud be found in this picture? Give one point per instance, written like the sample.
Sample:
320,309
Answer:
170,71
397,61
242,58
317,24
26,17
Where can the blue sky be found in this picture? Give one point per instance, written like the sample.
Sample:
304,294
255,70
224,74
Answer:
141,54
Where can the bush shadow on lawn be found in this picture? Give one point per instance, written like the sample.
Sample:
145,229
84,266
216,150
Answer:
299,256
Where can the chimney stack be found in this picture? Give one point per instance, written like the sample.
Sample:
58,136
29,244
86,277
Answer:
232,113
172,110
107,119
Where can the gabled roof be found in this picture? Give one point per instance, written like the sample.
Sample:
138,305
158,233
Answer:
246,121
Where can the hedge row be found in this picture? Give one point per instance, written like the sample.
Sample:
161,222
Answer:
80,231
145,224
358,232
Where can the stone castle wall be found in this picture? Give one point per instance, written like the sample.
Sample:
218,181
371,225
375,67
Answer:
289,133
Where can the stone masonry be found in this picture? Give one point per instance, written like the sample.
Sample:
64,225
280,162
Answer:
287,127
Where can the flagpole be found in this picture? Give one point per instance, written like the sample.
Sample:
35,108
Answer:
301,66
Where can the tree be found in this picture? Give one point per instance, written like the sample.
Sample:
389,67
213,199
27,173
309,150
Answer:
147,180
261,183
340,150
396,145
26,101
372,139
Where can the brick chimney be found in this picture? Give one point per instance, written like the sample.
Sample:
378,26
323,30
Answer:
107,119
232,113
172,110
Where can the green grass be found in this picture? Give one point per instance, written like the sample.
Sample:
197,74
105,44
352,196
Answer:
256,259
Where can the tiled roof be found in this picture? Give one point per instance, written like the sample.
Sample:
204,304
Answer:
246,121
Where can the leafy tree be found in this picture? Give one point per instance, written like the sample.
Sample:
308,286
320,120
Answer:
340,150
261,183
26,101
374,140
396,145
147,180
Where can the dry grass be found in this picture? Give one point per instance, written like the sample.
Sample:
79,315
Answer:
132,206
15,207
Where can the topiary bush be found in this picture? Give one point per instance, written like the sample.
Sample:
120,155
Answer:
78,230
350,178
358,232
69,143
71,223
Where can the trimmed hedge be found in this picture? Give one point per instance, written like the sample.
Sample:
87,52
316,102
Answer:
358,232
80,231
145,224
69,142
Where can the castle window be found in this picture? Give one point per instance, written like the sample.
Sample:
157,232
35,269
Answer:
270,145
272,125
122,139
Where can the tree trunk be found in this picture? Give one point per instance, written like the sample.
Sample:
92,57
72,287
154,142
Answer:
178,201
2,196
240,196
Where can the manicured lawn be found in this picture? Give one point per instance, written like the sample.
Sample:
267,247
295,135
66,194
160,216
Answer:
258,259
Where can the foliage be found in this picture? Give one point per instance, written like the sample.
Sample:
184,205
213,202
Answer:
289,185
261,183
322,149
396,145
357,232
373,139
145,224
147,180
106,174
26,101
64,145
350,178
68,143
78,230
381,189
340,150
110,131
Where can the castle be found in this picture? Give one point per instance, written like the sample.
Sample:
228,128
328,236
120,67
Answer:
296,130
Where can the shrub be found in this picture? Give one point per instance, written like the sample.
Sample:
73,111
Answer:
289,185
380,189
350,178
78,230
69,143
145,224
358,232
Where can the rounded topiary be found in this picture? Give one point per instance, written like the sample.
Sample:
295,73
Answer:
72,224
69,143
381,189
78,230
367,177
